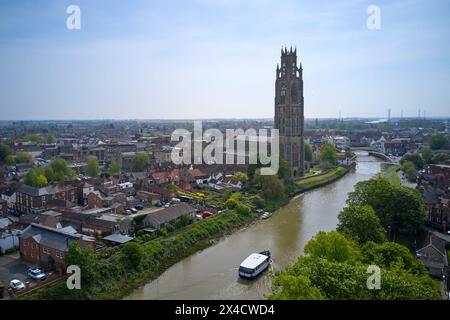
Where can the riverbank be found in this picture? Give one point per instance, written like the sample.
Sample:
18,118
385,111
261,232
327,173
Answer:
312,182
117,281
160,254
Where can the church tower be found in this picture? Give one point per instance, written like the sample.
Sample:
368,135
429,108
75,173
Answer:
289,117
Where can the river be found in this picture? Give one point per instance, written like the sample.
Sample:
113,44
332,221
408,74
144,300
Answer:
213,272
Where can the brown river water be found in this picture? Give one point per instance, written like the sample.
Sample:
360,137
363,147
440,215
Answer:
213,272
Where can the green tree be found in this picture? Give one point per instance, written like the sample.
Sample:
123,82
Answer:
5,151
360,223
326,274
240,176
41,181
391,255
439,141
114,168
49,173
31,178
133,253
410,171
85,259
332,246
427,155
440,158
59,170
140,161
289,287
92,167
328,156
23,157
397,206
259,202
51,139
10,160
308,152
416,159
271,185
344,281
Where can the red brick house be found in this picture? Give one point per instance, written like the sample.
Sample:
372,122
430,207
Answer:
46,247
34,200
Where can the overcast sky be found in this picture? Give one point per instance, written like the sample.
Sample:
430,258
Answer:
216,58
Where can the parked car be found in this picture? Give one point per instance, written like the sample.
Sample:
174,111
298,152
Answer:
37,274
206,214
167,205
139,207
266,215
16,285
133,210
127,212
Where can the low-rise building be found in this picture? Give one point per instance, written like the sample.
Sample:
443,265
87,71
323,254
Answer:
434,257
46,247
168,215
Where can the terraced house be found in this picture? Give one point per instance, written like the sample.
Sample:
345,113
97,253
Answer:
34,200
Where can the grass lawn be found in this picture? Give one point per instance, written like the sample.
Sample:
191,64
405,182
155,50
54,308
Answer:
319,180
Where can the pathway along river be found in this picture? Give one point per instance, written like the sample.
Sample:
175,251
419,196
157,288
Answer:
213,272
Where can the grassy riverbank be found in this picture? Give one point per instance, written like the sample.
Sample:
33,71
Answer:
312,182
115,279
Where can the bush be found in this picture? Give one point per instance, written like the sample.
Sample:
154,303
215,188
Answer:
243,209
259,202
231,203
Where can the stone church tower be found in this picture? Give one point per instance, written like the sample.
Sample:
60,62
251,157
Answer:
289,107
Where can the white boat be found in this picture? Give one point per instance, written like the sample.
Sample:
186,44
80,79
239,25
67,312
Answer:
254,265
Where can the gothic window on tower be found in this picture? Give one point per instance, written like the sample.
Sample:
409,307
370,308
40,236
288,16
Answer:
295,154
283,94
294,94
294,69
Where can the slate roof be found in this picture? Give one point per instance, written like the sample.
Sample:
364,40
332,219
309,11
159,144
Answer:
118,238
430,197
168,214
35,192
433,255
49,237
